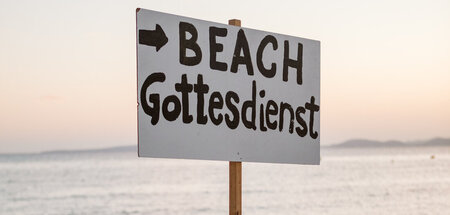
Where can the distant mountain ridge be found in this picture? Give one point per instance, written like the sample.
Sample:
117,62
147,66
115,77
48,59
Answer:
392,143
132,148
354,143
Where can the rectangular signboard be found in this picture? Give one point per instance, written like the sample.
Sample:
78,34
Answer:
218,92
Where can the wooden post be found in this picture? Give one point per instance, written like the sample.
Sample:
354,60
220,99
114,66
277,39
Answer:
235,22
235,169
235,188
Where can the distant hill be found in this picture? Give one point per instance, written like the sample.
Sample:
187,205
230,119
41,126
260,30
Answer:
355,143
392,143
132,148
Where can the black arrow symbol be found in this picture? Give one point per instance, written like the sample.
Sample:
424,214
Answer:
155,38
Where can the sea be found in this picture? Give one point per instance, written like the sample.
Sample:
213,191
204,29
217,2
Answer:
403,180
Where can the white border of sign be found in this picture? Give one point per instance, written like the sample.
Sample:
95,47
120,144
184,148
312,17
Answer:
193,140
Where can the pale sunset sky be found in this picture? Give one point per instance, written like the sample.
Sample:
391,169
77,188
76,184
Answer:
68,68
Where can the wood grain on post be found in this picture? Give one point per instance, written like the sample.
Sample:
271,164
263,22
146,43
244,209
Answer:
235,188
235,169
235,22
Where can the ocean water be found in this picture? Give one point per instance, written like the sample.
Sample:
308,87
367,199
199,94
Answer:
348,181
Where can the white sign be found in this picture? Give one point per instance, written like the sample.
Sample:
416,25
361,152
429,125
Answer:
219,92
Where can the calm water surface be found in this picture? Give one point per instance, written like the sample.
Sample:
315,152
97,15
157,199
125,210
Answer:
348,181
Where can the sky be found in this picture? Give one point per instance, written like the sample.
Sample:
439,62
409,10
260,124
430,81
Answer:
68,68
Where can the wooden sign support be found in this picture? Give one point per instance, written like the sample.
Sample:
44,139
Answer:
235,188
235,169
